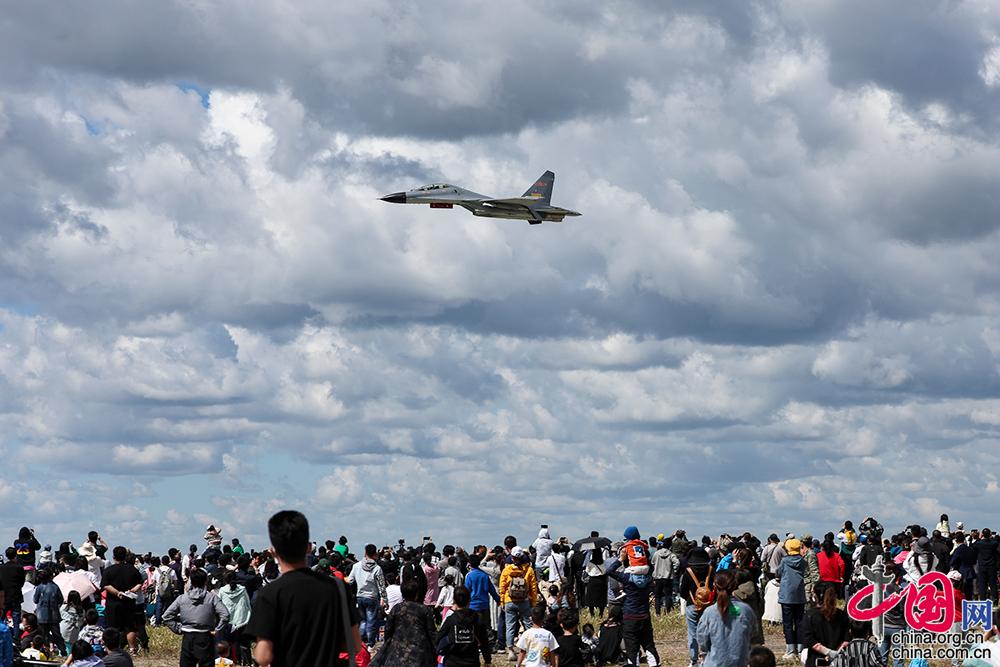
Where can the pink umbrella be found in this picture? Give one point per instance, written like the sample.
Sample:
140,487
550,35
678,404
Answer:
75,581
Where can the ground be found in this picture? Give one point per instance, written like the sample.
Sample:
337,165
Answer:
669,631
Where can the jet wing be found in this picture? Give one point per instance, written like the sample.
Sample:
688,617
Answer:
513,202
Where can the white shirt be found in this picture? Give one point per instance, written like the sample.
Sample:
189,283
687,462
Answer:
557,566
447,596
393,595
538,644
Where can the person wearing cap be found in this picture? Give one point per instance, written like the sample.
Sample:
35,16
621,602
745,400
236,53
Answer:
792,595
812,574
518,593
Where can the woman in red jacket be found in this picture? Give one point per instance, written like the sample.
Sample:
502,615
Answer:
831,565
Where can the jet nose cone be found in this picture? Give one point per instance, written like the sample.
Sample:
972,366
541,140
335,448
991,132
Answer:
395,198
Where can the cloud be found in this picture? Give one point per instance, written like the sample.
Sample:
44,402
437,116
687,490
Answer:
783,287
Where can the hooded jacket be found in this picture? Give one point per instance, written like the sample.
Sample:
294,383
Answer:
665,563
237,601
196,611
636,588
543,547
369,579
791,577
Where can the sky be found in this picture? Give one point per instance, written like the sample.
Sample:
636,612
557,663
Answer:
778,311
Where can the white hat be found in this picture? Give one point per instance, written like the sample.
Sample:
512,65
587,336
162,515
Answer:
517,552
955,575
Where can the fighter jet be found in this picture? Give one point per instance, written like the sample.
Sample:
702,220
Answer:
534,205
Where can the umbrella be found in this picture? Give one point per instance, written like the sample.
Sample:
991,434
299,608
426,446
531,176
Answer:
28,591
589,543
75,581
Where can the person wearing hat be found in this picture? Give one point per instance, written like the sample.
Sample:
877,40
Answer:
518,593
920,560
792,595
812,575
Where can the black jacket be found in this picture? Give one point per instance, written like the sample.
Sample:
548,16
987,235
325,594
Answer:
466,639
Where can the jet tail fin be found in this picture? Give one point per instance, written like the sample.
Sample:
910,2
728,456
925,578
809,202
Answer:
542,187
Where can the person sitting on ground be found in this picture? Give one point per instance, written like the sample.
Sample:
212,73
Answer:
81,654
93,633
222,651
115,657
860,651
36,649
826,629
762,656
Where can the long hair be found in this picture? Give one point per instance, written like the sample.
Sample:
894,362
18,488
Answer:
828,546
725,584
828,602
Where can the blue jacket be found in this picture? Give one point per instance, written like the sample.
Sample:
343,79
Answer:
48,598
636,587
6,646
727,644
481,589
791,577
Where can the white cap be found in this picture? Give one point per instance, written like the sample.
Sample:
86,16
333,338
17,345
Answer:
517,552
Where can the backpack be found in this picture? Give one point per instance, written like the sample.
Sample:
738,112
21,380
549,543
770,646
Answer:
518,589
703,596
164,585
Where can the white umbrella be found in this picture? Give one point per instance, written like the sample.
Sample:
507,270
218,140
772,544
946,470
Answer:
75,581
28,591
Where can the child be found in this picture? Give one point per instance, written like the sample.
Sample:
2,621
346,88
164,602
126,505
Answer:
554,599
92,632
72,614
34,651
446,597
634,554
571,646
860,651
29,628
762,656
537,645
115,656
222,654
589,640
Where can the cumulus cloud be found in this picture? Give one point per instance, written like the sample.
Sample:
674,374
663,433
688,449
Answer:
783,288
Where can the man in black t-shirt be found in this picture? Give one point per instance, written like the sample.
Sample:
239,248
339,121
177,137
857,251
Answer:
11,583
121,582
304,618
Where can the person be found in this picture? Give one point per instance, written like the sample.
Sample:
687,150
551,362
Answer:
770,556
963,559
370,582
409,633
986,565
222,653
589,638
463,637
944,527
25,547
393,592
237,601
81,654
920,560
665,565
572,650
341,547
35,649
826,629
237,547
537,647
6,646
762,656
196,615
792,595
115,657
165,582
446,596
481,590
71,616
92,632
12,580
48,599
860,651
596,587
302,618
433,576
121,583
726,627
637,628
812,573
609,640
518,594
696,579
543,549
831,564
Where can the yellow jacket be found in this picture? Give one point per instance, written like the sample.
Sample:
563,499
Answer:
525,571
